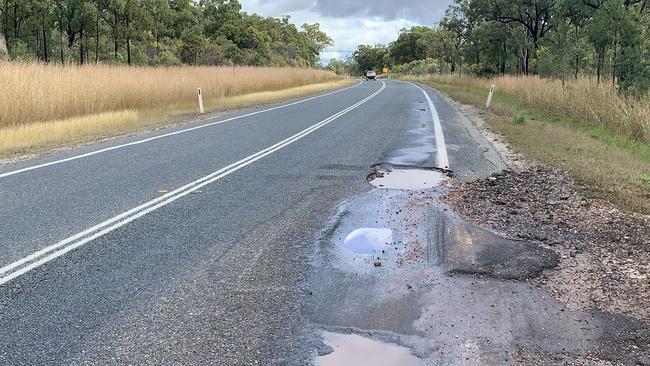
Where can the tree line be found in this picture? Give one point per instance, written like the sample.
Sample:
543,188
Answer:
153,32
608,39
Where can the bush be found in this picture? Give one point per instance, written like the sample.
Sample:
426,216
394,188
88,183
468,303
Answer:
520,119
419,67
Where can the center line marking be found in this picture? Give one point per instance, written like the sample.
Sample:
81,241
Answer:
37,259
34,167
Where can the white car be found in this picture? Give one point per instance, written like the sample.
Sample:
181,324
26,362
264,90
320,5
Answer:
371,75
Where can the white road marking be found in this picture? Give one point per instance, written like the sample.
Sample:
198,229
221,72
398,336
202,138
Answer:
441,148
54,251
18,171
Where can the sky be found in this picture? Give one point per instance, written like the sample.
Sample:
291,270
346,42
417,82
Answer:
351,23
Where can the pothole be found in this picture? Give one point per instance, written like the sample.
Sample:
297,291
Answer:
352,349
406,178
368,240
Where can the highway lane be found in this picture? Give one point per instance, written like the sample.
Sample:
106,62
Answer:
219,275
96,188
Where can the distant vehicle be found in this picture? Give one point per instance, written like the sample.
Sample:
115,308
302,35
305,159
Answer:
371,75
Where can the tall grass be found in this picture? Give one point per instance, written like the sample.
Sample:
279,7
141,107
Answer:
581,100
32,93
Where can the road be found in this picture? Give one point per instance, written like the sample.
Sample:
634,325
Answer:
195,244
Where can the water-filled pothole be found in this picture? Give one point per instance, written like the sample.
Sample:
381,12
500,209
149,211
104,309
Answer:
352,349
406,178
368,240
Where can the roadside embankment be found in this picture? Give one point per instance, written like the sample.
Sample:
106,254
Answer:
600,137
603,252
44,106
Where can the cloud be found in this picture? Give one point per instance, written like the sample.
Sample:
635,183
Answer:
422,12
351,23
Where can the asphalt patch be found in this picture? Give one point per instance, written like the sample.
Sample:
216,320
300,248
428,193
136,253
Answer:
472,250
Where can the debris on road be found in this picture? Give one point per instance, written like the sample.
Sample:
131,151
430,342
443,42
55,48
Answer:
604,252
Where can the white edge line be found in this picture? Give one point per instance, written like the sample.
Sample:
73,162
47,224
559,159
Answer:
166,199
34,167
441,148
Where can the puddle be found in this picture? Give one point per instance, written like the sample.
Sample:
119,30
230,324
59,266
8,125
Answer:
408,179
352,349
368,240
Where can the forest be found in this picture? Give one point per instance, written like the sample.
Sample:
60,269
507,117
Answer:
153,32
606,39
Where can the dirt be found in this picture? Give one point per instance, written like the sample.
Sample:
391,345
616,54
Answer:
523,267
604,252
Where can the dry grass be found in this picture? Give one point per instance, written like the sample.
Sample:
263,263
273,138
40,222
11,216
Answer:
615,173
37,93
613,170
51,105
581,100
25,137
32,137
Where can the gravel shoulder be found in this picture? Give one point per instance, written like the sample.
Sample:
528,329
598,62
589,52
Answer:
603,251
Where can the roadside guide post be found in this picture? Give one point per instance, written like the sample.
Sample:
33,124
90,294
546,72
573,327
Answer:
200,101
489,98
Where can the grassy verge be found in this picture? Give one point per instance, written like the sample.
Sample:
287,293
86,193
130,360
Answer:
614,165
35,137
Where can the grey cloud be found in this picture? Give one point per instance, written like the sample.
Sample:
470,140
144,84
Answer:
424,12
420,11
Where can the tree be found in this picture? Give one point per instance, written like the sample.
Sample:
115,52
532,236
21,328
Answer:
369,58
318,40
159,19
338,66
459,21
153,32
3,49
411,44
533,15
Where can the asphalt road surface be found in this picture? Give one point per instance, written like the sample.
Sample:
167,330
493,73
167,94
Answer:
194,244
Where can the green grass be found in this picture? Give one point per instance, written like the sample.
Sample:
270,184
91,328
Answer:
615,167
520,119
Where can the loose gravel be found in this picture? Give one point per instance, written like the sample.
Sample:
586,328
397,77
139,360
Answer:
604,251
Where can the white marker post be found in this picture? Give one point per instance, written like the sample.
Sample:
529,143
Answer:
201,111
489,98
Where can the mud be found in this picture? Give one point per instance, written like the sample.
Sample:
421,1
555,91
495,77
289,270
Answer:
603,253
456,291
516,268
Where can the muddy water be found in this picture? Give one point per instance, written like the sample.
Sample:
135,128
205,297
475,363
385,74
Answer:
352,349
408,179
446,292
450,291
